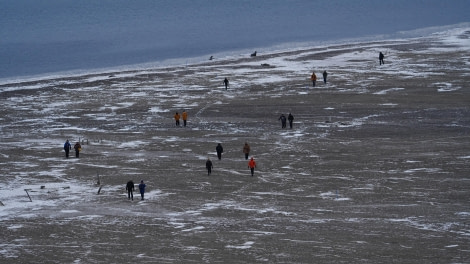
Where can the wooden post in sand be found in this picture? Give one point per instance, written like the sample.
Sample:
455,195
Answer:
26,190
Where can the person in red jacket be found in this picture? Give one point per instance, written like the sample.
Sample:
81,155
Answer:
252,166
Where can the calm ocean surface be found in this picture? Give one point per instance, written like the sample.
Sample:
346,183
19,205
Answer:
57,36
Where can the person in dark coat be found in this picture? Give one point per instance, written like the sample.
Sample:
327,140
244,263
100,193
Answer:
142,189
77,148
381,58
246,150
325,74
209,166
67,148
291,120
226,83
130,189
283,120
219,150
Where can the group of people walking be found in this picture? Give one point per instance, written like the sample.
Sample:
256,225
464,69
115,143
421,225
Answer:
284,120
130,189
184,116
219,149
313,77
68,147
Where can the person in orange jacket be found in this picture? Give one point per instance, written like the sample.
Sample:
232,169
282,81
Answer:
313,78
185,117
177,118
252,166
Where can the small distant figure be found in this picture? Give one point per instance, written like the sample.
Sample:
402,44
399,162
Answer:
177,118
209,166
185,117
211,58
130,190
381,58
325,74
219,150
291,120
226,83
252,166
253,54
313,77
246,150
142,189
283,120
67,148
77,148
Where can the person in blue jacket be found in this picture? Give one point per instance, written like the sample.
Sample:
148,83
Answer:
142,189
67,148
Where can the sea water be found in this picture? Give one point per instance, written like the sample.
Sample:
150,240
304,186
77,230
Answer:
51,36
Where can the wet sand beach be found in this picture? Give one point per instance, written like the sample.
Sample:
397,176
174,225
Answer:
375,169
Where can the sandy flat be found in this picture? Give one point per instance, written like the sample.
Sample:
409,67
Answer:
375,169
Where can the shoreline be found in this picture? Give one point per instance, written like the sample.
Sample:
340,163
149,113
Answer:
235,55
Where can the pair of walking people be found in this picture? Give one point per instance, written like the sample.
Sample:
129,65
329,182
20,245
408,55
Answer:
209,166
313,77
252,162
68,147
219,149
130,189
284,120
183,115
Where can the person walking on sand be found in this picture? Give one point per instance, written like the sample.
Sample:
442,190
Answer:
283,120
313,77
291,120
219,150
246,150
142,189
226,83
77,148
130,190
177,119
67,148
325,74
209,166
185,117
252,166
381,58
